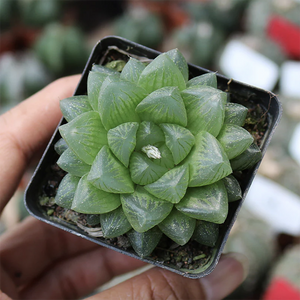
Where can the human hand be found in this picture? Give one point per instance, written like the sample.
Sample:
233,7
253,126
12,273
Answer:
39,261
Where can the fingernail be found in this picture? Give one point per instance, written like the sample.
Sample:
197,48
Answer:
230,272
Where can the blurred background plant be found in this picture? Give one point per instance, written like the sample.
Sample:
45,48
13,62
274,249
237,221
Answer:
254,41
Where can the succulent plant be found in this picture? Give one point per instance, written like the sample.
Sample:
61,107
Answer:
153,152
140,25
21,75
39,13
61,49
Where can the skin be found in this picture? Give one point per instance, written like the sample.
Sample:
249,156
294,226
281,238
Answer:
39,261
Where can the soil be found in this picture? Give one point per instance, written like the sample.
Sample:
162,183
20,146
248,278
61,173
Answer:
189,257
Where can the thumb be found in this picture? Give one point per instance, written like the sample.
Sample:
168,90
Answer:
157,283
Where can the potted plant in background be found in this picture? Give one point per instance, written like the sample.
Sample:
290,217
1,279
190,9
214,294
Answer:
150,147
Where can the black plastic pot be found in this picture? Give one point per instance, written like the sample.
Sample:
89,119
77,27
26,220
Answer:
267,100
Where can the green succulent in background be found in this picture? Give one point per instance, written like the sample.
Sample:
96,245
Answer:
153,153
61,49
38,13
140,26
200,41
6,11
21,75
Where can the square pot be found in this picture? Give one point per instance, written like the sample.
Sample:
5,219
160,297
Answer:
239,92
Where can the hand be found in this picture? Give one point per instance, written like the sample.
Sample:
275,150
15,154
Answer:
39,261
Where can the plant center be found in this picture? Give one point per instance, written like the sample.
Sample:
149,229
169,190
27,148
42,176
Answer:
152,151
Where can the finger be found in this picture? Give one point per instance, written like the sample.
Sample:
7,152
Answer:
26,128
4,296
161,284
80,275
33,246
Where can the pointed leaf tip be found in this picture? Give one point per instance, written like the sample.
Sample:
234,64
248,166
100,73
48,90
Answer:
149,134
235,114
108,174
144,243
143,170
234,140
207,203
207,160
205,107
122,141
161,72
114,223
85,135
171,186
178,227
117,102
70,163
90,200
143,210
74,106
180,62
179,140
66,191
132,70
163,106
209,79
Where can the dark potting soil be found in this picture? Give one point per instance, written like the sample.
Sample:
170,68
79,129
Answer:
190,256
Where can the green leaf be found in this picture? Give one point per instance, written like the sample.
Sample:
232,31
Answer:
143,170
180,62
206,233
122,141
208,79
132,70
235,114
207,203
149,134
116,65
234,140
114,223
179,140
233,188
247,159
60,146
207,160
163,106
104,70
144,243
205,107
117,102
178,227
161,72
92,220
70,163
109,175
74,106
85,135
166,159
171,186
66,191
90,200
143,210
94,83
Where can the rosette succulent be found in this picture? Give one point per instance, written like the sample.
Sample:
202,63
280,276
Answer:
152,152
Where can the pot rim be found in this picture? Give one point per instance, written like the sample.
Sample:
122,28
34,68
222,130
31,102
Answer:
270,102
